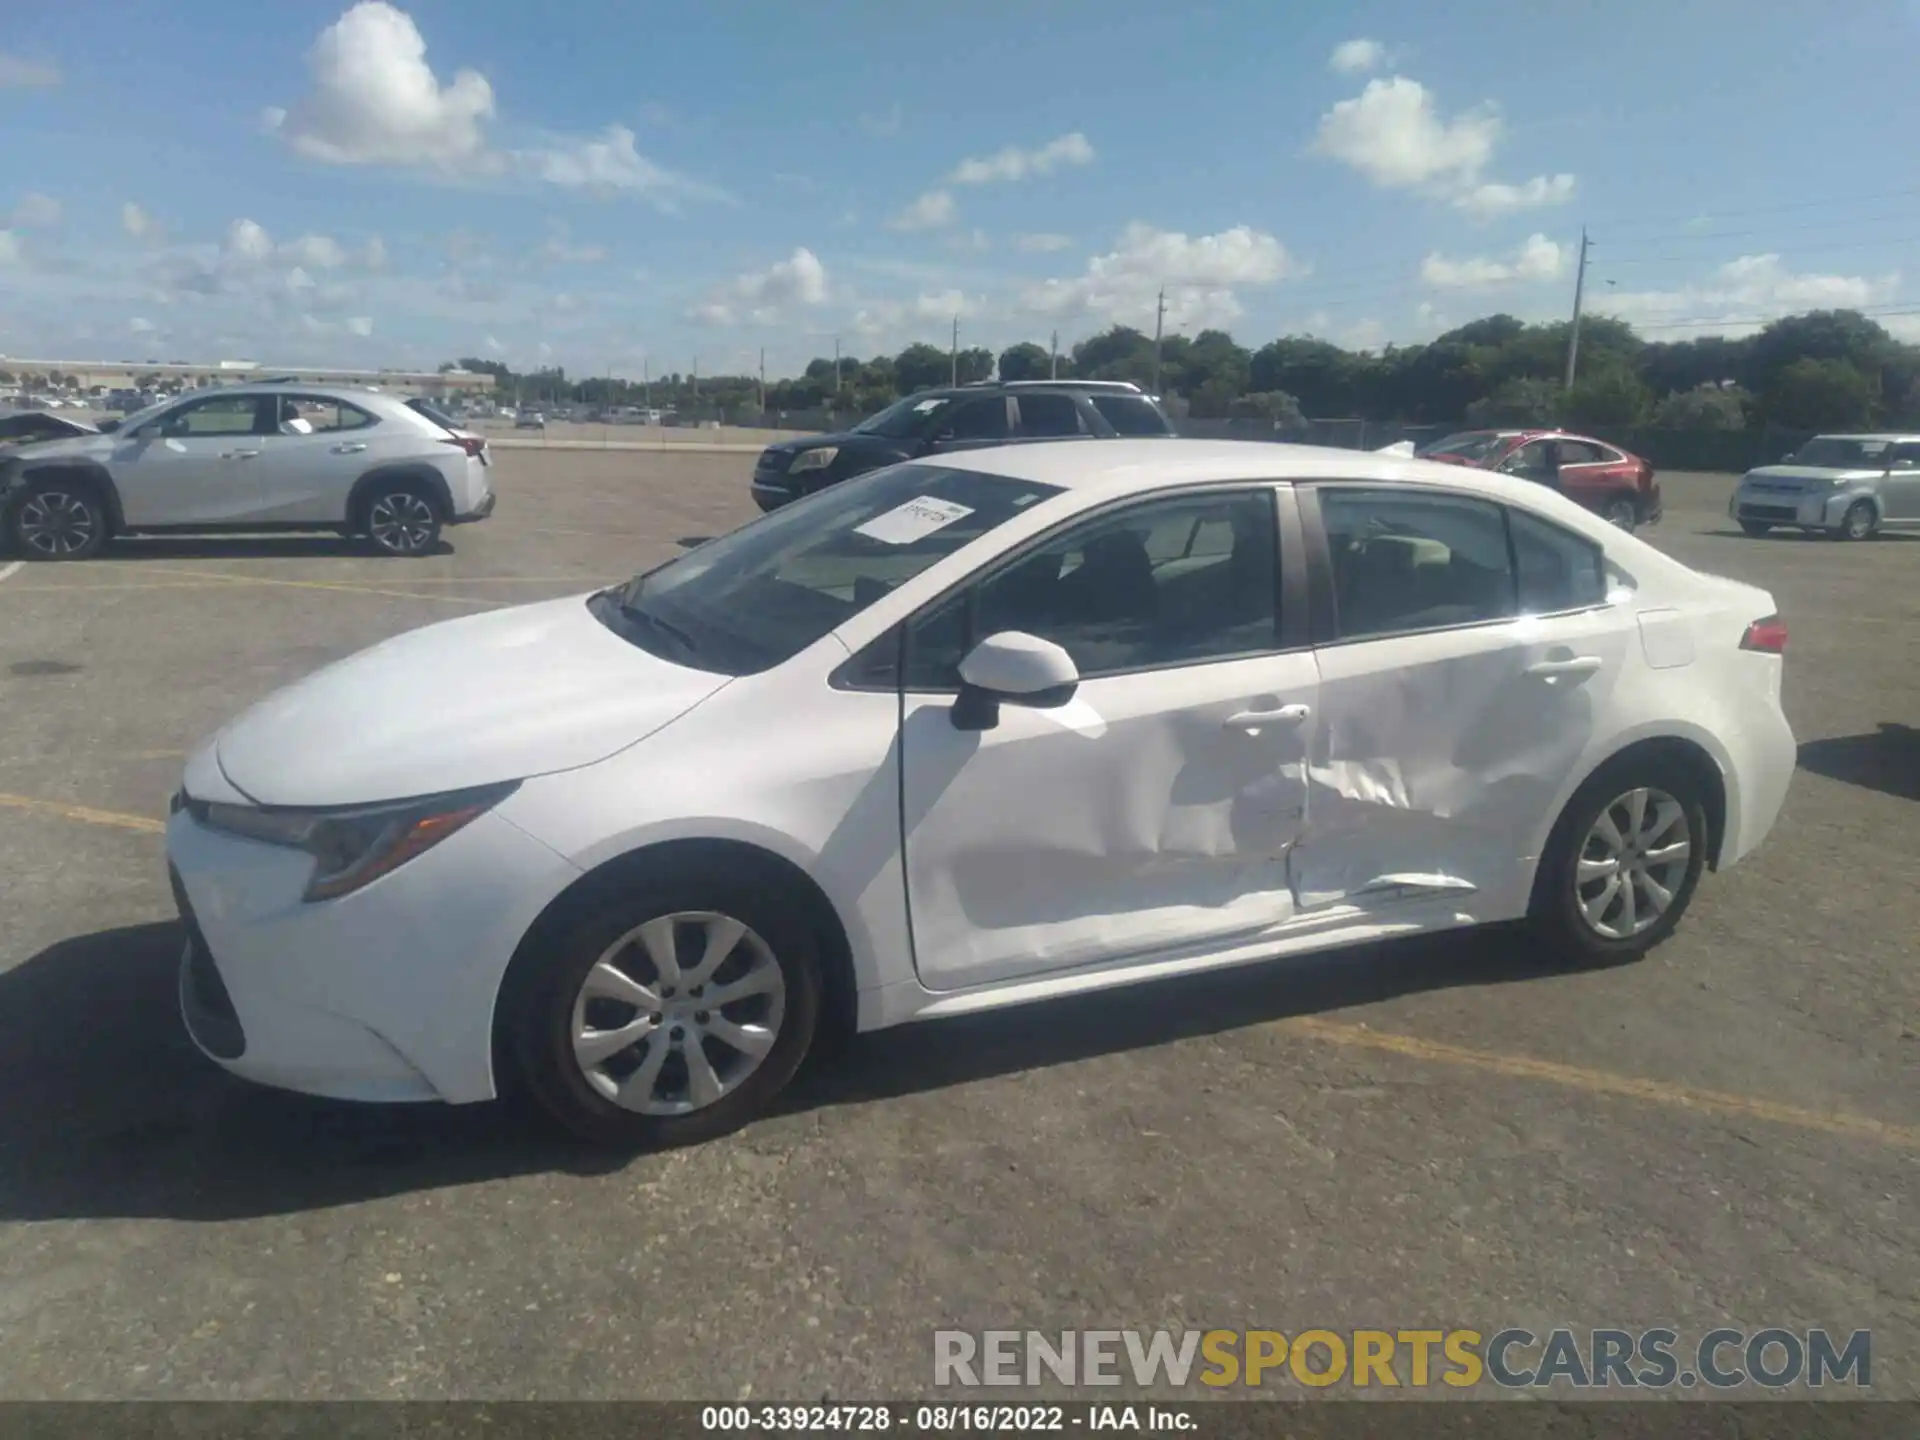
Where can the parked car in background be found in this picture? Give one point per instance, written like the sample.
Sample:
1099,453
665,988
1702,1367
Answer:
1619,487
1069,717
268,456
955,419
1846,486
530,420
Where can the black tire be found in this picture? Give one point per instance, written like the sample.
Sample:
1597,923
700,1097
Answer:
1859,522
57,518
542,1030
1622,513
1557,912
401,518
1755,528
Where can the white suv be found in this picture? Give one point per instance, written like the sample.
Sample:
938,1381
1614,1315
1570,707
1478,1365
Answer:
269,456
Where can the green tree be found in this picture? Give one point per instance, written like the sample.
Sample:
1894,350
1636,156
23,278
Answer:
1844,335
1608,397
1025,361
1122,353
921,367
1705,407
1811,394
1524,400
974,365
1276,407
1210,372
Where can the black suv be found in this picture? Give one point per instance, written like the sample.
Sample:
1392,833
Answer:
966,417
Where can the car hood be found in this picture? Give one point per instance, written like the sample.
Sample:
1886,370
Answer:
840,440
65,447
1822,473
501,696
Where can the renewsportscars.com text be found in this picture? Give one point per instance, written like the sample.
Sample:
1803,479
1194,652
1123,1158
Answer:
1656,1359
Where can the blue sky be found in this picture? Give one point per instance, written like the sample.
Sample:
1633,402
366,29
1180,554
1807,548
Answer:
604,185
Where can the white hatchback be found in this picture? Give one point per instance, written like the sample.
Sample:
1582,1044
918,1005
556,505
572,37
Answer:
1032,721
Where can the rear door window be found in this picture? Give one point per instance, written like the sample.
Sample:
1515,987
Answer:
1131,415
1049,417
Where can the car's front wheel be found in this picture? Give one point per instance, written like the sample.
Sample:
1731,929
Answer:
1623,861
402,519
56,519
671,1017
1859,522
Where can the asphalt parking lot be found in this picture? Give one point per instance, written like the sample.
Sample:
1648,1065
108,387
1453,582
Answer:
1443,1133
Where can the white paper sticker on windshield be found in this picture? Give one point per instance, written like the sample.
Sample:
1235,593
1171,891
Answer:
925,405
915,520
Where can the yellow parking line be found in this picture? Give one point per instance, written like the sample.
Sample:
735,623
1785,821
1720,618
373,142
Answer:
1602,1082
328,585
86,815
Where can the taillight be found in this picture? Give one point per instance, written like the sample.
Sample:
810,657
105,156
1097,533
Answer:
1768,636
472,444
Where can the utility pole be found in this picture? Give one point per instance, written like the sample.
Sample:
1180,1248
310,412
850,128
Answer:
646,380
1053,356
696,380
1579,292
836,365
763,379
955,352
1159,324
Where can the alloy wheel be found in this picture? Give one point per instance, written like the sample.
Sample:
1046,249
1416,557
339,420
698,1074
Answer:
56,522
1857,523
677,1013
1632,863
401,522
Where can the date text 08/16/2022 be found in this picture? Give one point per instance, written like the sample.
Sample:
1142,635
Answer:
944,1419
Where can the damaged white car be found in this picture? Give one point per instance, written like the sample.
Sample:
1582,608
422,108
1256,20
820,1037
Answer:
1028,722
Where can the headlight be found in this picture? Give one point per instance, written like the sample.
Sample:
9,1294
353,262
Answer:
352,848
813,459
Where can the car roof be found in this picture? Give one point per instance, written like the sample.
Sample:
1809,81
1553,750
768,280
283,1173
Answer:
1153,464
1895,437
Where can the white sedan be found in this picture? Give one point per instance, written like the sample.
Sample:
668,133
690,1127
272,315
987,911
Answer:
1032,721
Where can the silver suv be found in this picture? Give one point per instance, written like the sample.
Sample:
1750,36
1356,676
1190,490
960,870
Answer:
1846,485
267,456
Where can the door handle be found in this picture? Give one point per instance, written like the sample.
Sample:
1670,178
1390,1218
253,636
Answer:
239,454
1578,665
353,448
1255,719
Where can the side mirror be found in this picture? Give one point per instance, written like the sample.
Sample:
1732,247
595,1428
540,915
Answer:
1013,668
108,426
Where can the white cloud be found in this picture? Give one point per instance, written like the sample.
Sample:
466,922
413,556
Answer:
973,241
247,240
1393,133
10,251
317,252
137,222
140,325
493,346
1200,273
762,295
1042,243
374,99
35,211
360,325
884,323
1494,198
19,73
1013,163
1741,295
611,164
1537,259
1354,57
931,211
374,254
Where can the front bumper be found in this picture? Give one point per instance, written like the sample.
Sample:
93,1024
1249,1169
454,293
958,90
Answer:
1808,509
386,994
771,494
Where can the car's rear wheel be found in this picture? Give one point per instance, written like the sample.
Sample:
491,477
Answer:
1621,511
1859,522
401,518
57,519
1623,861
671,1017
1755,527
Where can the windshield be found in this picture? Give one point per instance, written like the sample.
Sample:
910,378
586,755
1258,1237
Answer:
1471,445
1837,452
141,417
760,595
904,417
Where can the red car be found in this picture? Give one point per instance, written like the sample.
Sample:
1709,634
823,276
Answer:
1602,477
